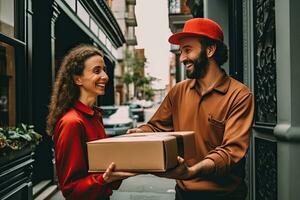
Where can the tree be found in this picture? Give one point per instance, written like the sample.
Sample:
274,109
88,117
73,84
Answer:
135,75
148,93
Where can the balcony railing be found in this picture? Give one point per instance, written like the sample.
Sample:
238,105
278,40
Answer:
131,2
130,19
131,41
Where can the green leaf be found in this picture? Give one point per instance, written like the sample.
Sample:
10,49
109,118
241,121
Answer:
17,138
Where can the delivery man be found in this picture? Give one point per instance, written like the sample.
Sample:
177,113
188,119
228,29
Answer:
218,108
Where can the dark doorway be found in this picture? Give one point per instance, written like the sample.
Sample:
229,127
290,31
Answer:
39,83
67,36
236,39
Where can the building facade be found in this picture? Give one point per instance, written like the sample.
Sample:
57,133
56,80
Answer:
172,71
34,37
124,11
179,12
263,42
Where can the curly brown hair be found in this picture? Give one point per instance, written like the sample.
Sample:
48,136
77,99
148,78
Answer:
65,92
221,53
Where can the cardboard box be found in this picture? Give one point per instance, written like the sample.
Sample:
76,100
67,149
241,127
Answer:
141,152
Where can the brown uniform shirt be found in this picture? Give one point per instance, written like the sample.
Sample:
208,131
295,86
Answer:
221,118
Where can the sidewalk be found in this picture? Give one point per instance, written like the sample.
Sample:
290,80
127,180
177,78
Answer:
141,187
145,187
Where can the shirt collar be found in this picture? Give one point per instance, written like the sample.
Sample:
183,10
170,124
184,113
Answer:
221,85
84,109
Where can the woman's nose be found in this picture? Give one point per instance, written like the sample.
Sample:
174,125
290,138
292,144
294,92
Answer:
104,76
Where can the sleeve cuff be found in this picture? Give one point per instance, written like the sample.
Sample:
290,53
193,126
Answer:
219,159
146,128
99,179
106,187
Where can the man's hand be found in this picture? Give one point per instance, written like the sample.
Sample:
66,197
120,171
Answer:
110,175
134,130
181,172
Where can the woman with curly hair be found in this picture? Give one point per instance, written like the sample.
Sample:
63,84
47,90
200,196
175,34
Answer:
74,120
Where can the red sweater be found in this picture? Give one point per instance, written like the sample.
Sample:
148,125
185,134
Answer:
78,126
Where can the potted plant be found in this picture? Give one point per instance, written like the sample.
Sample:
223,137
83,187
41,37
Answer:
17,141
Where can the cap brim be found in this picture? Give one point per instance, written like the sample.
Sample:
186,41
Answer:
175,38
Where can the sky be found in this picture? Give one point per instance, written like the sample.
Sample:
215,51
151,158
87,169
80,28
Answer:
152,34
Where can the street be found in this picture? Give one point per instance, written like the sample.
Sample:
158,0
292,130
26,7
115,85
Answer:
141,187
145,187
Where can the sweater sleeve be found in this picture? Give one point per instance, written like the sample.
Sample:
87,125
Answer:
236,136
71,164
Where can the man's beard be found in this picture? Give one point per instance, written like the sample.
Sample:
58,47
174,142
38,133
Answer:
200,66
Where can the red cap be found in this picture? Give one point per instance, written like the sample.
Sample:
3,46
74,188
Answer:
199,27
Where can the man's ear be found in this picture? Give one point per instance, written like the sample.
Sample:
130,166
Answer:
77,80
210,50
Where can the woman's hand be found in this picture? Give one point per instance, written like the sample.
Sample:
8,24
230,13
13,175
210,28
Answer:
110,175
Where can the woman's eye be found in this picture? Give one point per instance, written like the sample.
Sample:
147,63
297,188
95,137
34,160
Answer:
97,71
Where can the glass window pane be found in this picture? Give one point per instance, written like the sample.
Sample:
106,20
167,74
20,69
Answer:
7,85
82,14
102,36
131,32
94,27
71,3
174,6
7,17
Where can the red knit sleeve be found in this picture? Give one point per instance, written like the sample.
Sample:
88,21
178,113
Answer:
71,164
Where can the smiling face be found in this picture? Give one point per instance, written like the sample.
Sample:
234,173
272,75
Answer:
93,79
193,57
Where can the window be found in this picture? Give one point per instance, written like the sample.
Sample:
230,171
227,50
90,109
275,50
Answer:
72,4
7,85
131,32
83,15
94,27
174,6
7,17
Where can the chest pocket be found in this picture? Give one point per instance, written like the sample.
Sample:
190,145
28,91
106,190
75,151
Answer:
215,132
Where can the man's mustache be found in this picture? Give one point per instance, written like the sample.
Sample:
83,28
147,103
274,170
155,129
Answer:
186,62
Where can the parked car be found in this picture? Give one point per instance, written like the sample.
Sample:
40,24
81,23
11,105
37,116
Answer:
117,120
145,104
137,110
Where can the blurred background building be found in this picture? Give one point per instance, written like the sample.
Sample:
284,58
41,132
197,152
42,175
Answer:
179,12
124,11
